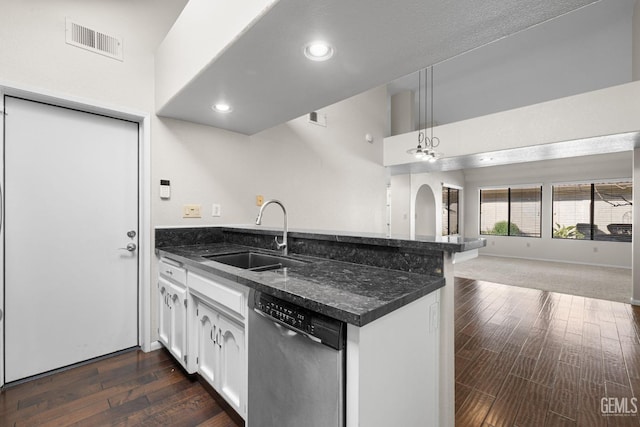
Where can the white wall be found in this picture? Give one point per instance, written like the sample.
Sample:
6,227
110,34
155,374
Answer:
33,49
205,165
635,43
400,221
406,200
401,110
330,178
435,181
603,112
610,166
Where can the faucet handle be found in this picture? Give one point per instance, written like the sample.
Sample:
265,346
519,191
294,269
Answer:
280,245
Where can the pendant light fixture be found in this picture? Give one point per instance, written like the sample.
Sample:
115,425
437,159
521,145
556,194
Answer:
426,149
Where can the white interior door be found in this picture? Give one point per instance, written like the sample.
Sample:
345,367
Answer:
71,197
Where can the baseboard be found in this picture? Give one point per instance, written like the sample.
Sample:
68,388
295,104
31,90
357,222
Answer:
634,301
155,345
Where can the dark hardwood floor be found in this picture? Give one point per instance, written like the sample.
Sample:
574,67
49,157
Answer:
523,358
534,358
129,389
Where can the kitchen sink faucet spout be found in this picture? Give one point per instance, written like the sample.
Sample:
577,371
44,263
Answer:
282,245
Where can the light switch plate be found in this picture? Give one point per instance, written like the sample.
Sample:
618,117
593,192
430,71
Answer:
191,211
216,210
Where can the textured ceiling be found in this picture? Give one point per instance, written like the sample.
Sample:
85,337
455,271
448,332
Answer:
582,51
269,81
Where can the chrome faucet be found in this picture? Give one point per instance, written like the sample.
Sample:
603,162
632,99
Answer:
282,245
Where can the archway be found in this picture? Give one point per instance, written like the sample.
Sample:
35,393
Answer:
425,211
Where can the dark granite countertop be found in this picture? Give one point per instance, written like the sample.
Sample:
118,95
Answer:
439,243
354,293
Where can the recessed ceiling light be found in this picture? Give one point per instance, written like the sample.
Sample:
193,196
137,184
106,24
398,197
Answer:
221,108
318,51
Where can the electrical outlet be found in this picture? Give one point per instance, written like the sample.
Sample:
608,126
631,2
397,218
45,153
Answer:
259,200
216,210
191,211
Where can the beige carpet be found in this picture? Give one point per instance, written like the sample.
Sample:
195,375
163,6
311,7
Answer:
607,283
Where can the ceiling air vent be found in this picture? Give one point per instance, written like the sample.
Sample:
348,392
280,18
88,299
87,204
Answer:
93,40
317,118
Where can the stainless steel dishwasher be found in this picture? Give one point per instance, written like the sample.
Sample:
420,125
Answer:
296,366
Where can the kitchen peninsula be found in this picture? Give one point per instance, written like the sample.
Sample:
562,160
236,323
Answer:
391,294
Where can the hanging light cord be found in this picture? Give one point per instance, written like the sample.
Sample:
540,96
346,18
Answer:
420,136
435,141
427,152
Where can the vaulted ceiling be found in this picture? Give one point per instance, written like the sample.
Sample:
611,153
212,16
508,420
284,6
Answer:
264,74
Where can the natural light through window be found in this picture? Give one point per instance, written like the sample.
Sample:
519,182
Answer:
593,211
511,211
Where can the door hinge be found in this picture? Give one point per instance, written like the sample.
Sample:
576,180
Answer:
197,360
185,359
185,303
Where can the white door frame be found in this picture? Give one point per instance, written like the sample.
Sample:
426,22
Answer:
144,200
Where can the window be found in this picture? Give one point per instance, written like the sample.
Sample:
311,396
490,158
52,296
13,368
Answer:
593,211
511,211
450,208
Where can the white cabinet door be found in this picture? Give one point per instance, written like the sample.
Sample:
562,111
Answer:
178,341
164,311
172,317
233,371
207,344
221,354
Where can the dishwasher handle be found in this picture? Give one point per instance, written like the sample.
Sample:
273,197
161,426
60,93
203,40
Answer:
292,329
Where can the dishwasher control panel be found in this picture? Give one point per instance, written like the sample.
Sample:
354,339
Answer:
329,331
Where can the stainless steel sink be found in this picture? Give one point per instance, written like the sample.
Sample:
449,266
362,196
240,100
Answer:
256,261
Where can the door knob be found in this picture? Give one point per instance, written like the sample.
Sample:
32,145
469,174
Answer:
130,247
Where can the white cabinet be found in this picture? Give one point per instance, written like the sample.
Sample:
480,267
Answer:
172,310
201,321
207,345
221,355
219,338
232,378
164,311
178,342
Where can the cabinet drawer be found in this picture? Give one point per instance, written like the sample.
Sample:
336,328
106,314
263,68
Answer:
227,295
173,272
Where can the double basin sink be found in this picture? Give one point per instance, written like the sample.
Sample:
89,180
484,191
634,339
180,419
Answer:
256,261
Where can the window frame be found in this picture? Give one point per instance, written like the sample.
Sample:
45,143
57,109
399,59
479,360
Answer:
592,225
509,188
448,188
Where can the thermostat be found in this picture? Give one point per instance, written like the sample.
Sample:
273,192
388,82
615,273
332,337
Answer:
165,189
